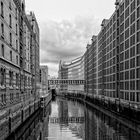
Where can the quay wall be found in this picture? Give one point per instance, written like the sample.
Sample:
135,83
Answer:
129,111
12,118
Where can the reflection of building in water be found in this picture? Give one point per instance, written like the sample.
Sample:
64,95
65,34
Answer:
45,122
102,127
91,129
76,110
62,109
78,129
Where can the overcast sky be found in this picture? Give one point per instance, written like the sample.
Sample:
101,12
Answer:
66,26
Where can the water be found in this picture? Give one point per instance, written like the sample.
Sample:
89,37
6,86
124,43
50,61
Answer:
70,120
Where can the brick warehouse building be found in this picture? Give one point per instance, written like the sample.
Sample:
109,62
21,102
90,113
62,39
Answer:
118,56
19,57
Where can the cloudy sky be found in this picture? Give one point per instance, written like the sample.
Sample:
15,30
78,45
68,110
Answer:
66,26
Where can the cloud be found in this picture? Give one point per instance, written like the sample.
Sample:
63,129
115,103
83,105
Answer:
66,40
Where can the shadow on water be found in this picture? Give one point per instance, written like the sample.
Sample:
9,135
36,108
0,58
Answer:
64,119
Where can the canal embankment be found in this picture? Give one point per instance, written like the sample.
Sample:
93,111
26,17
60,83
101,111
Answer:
16,116
124,110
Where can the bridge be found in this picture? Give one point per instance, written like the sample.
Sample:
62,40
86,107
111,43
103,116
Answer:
66,120
65,82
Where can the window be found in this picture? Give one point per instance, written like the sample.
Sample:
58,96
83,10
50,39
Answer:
138,36
17,60
132,51
132,40
138,12
132,74
132,85
127,12
138,84
10,39
16,30
29,81
132,63
10,5
2,29
10,21
17,96
126,75
126,23
132,6
2,76
132,29
138,94
2,9
10,55
132,96
138,24
16,13
127,64
138,73
138,2
127,54
17,80
122,8
127,85
11,97
138,60
126,3
16,45
122,18
3,98
127,44
138,49
10,78
2,50
127,33
121,37
132,17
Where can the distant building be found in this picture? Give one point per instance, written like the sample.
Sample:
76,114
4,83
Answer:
44,80
73,70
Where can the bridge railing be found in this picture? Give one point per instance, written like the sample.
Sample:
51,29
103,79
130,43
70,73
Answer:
66,82
66,120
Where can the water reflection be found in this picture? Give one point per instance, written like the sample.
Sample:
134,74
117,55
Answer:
69,120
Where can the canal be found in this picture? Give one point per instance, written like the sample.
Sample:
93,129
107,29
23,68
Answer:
64,119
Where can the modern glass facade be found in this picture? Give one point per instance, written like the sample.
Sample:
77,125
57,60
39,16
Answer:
73,70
